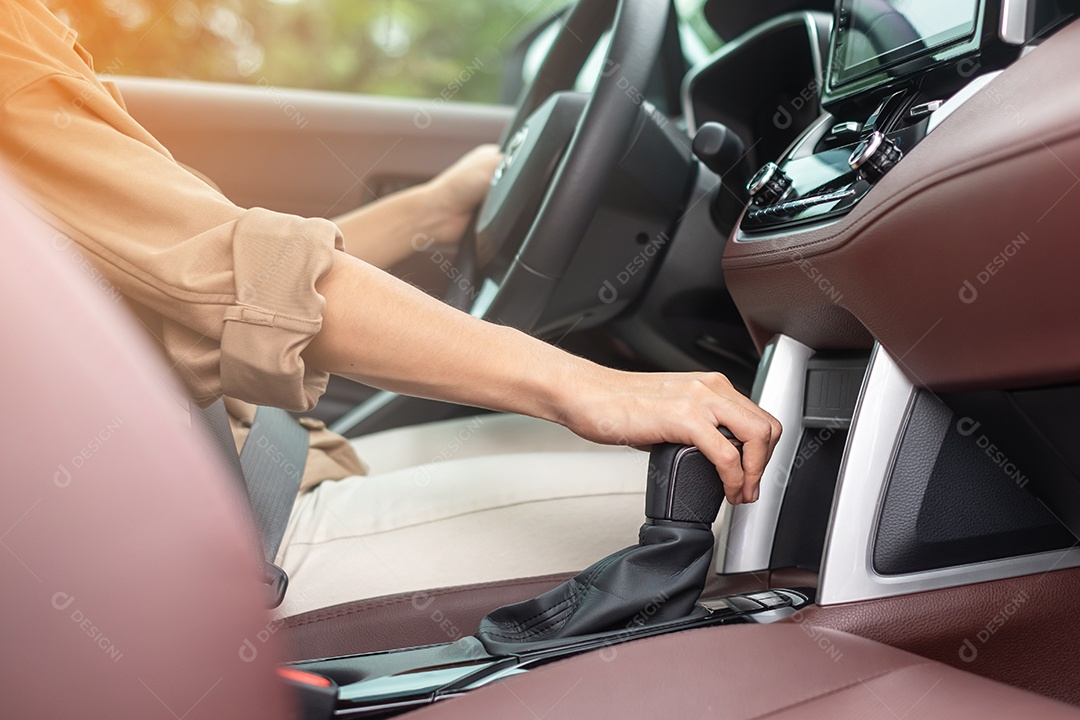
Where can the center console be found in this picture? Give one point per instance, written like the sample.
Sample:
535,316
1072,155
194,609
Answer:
881,250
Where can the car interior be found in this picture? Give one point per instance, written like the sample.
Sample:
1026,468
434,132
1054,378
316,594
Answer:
857,210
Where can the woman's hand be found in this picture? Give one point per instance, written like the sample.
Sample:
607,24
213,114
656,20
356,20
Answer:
391,229
458,191
638,409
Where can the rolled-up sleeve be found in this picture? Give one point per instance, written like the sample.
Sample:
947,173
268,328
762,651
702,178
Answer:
277,260
230,293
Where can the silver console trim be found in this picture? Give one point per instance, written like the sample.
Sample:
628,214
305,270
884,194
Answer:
847,572
956,101
745,533
1014,21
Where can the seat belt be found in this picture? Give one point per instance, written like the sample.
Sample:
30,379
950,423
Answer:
269,467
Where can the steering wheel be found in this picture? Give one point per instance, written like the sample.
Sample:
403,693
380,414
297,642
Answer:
559,151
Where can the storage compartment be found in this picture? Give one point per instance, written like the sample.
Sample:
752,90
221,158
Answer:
963,485
832,388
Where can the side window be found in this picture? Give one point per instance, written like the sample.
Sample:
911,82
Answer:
409,48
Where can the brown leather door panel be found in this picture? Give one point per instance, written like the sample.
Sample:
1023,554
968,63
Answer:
963,261
304,152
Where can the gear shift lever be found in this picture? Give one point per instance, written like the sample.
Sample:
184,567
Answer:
657,580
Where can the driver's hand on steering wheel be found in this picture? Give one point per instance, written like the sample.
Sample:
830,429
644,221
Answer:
459,189
639,409
385,232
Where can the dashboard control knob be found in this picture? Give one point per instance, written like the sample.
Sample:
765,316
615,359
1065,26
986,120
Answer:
875,156
769,185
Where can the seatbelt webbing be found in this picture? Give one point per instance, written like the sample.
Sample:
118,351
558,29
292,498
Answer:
217,420
272,461
270,466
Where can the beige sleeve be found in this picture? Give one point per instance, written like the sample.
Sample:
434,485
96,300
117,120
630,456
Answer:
229,293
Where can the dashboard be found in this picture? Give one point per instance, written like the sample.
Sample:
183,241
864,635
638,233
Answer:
905,154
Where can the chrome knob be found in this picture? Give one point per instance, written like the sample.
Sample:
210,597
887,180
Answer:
875,156
769,185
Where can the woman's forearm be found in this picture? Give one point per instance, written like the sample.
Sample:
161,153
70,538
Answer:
386,333
386,231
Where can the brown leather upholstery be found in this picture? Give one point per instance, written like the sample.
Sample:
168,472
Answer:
750,671
1021,631
1003,165
128,588
406,619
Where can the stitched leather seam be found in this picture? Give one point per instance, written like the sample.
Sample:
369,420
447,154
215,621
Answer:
517,631
837,690
339,611
576,591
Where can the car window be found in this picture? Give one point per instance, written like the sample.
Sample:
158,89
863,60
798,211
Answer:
406,48
411,48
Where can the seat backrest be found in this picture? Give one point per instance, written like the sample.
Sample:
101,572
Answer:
127,588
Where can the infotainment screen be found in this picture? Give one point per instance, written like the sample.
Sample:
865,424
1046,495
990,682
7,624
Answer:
872,35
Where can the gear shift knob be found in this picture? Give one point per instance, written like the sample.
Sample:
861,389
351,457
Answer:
683,487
